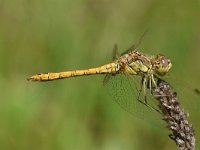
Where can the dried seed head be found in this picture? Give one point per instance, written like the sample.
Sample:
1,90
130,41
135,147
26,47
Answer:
182,131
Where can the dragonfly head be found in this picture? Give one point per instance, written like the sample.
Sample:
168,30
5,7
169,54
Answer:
162,64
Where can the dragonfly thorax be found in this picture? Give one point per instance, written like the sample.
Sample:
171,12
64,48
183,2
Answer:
135,63
139,63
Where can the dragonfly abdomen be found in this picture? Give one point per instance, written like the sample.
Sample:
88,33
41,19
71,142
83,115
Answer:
110,68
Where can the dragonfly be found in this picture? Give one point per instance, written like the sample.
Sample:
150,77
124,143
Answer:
130,78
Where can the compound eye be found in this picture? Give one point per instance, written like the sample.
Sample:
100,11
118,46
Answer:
165,62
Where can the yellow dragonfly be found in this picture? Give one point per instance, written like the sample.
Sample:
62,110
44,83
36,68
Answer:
126,76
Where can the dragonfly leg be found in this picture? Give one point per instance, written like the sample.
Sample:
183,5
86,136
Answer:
151,107
150,85
154,82
138,97
144,86
144,83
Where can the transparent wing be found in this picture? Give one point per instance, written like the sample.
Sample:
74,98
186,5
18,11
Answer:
189,100
135,45
125,91
116,53
189,95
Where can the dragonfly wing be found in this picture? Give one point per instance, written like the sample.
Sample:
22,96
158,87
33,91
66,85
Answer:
189,95
116,53
135,45
125,90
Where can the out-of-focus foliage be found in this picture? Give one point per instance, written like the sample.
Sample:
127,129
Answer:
77,113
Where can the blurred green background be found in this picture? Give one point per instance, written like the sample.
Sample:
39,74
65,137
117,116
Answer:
78,113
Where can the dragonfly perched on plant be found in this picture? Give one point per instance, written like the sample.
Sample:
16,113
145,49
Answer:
128,77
